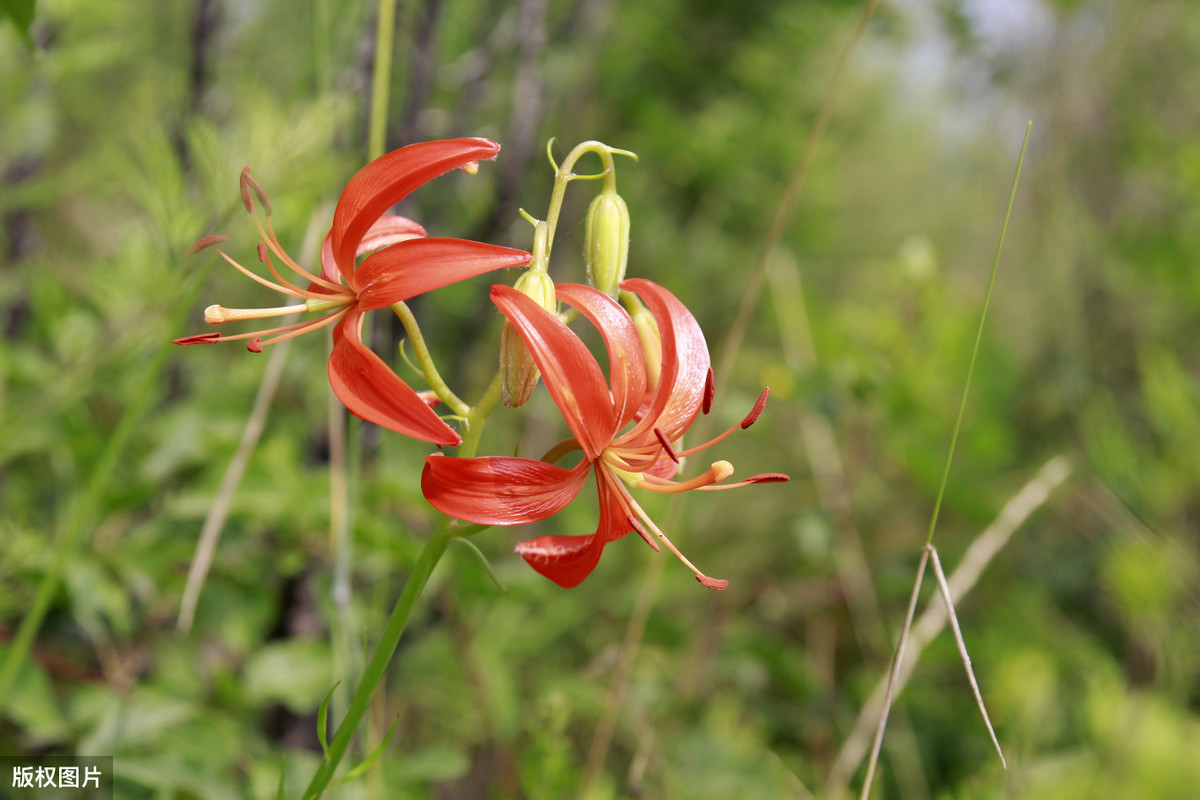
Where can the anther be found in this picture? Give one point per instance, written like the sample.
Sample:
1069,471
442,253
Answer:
207,241
471,167
248,185
199,338
254,345
759,405
709,390
666,445
767,477
712,583
262,253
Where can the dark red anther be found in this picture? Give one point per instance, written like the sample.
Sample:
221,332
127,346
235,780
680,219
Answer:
759,405
666,444
199,338
709,390
712,583
767,477
254,345
262,252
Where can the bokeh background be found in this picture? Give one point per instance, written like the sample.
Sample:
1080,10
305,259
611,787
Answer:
123,127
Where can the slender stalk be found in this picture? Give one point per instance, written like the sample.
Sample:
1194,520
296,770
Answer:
373,673
987,300
385,29
425,361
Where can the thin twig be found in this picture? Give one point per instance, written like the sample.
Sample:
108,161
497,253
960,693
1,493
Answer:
962,648
983,549
890,694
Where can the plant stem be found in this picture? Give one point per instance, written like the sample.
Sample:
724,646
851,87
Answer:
377,666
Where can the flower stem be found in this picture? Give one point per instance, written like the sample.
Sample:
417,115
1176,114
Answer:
377,666
425,361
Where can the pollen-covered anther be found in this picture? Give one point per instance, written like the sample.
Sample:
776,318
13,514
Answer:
251,189
471,167
755,412
666,445
199,338
205,242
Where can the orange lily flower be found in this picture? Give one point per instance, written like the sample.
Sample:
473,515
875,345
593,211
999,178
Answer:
404,264
515,491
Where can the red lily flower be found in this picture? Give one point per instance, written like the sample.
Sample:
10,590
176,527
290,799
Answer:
406,265
514,491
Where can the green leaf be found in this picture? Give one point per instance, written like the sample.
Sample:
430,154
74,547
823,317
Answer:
371,759
21,14
323,720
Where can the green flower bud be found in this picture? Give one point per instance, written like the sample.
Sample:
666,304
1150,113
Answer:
606,241
519,374
648,335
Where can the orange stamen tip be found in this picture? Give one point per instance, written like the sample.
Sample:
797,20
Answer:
713,583
200,338
666,445
207,241
710,390
759,405
471,167
720,470
254,345
768,477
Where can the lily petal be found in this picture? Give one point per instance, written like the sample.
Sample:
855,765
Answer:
388,180
369,389
417,266
574,379
387,230
626,368
685,362
566,560
498,490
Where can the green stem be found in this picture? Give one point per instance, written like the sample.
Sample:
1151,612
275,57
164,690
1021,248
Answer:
386,648
381,79
987,300
377,666
425,361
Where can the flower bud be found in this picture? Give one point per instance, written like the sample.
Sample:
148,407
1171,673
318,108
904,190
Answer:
518,371
648,335
606,241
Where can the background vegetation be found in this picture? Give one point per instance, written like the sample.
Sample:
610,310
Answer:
122,131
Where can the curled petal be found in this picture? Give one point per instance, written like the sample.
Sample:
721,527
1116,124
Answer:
387,230
566,560
497,490
417,266
387,180
570,372
626,368
369,389
683,383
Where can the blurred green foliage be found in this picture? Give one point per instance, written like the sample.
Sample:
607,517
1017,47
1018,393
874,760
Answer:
122,132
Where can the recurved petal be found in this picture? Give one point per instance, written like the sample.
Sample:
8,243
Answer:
369,389
387,180
499,490
566,560
417,266
626,368
387,230
685,362
574,379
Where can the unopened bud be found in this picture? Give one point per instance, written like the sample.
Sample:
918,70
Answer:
519,374
606,242
648,335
